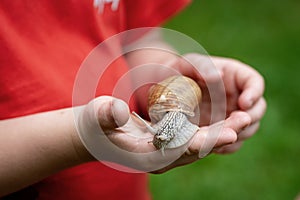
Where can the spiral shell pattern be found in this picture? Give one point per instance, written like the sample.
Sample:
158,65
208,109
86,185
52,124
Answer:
176,93
170,103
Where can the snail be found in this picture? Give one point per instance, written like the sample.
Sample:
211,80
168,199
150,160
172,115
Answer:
170,104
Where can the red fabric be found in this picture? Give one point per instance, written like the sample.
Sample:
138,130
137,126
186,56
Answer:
42,45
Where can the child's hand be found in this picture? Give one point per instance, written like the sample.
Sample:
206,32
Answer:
240,84
112,134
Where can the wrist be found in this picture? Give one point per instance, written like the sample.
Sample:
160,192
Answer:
83,155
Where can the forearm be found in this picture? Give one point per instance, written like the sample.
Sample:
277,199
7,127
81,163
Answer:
36,146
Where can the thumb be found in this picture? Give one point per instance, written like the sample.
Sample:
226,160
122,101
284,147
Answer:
111,112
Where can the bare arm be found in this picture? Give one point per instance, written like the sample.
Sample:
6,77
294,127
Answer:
36,146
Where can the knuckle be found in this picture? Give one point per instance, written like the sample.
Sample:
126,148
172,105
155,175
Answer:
235,62
249,131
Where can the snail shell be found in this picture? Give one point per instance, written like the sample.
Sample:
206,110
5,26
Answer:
170,103
176,93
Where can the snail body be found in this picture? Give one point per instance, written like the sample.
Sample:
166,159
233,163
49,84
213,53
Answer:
173,131
170,104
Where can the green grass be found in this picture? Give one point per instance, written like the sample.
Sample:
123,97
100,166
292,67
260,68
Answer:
266,35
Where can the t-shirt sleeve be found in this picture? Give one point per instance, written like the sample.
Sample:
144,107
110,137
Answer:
147,13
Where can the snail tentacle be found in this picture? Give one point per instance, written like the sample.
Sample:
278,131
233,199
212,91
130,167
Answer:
150,129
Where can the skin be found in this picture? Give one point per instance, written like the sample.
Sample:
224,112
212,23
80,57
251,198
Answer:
36,146
244,88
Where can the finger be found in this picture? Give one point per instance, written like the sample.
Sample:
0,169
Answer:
249,131
237,121
231,148
199,67
258,110
206,139
199,149
111,112
252,86
219,134
210,137
248,80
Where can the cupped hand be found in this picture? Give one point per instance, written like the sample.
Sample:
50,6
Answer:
228,86
111,133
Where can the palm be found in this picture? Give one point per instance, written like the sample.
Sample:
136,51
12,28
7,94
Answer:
132,136
132,147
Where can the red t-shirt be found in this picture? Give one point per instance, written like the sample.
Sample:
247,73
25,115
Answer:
43,44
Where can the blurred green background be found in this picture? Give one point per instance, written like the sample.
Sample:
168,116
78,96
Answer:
266,35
